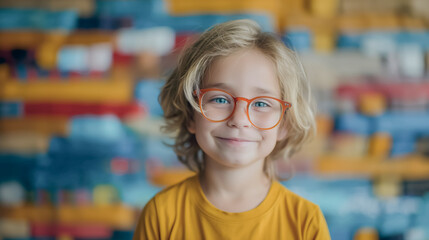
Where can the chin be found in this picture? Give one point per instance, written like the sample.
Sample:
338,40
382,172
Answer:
236,163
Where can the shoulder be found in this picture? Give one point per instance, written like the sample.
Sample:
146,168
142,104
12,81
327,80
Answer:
294,201
306,214
168,203
301,210
175,193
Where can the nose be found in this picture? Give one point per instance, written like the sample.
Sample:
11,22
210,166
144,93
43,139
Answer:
239,117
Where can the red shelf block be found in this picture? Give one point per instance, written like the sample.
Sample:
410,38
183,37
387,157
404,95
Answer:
85,231
405,91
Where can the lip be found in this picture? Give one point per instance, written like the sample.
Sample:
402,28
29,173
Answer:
235,140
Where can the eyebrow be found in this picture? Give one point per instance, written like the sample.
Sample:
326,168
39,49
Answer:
261,91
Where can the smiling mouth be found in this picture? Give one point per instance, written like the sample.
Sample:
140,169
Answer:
237,140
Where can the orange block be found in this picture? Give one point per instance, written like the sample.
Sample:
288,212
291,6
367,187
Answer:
55,37
412,23
294,6
47,50
20,39
88,38
46,55
324,125
40,125
366,233
347,23
383,22
324,8
372,103
4,72
380,145
167,177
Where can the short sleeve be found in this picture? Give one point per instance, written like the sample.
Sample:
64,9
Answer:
317,228
148,224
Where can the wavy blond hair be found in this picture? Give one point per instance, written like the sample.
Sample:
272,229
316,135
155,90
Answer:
222,40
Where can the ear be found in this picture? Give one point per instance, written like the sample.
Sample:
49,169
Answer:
191,126
282,132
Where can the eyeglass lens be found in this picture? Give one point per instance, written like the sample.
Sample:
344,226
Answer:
263,112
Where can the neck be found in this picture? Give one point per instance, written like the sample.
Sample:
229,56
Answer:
235,189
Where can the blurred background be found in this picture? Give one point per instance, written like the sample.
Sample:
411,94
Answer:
80,147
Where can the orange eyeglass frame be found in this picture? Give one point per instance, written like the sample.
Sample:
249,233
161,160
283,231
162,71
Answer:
285,105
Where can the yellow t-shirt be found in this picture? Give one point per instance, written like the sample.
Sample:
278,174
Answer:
183,212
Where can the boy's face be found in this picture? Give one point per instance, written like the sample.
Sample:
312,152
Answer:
235,142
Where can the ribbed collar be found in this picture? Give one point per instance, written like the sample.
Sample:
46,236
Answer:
207,208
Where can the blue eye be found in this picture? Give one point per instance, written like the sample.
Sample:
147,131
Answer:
220,100
260,104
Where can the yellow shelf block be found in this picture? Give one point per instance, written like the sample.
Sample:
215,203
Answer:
79,90
88,38
41,125
4,72
20,39
83,7
116,216
410,167
167,177
274,7
324,40
30,213
412,23
352,23
23,143
383,21
14,229
324,8
52,40
221,6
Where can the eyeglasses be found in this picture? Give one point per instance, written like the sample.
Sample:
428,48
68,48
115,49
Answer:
263,112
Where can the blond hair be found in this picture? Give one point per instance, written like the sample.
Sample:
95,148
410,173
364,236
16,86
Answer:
222,40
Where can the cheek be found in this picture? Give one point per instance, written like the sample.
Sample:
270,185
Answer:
271,138
199,125
281,134
195,123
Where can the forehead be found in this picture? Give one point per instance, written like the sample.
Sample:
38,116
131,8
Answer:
245,72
